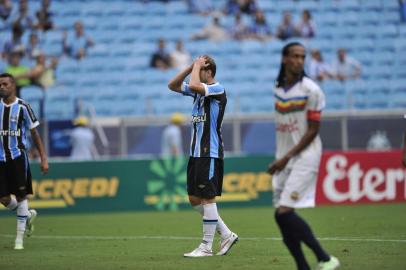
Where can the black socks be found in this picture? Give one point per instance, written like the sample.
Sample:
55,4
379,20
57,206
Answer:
295,230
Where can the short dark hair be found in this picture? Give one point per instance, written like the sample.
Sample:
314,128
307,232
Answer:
211,66
11,77
280,80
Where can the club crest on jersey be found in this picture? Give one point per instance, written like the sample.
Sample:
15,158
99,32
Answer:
294,196
198,118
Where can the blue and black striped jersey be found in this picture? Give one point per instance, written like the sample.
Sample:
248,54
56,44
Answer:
16,119
207,119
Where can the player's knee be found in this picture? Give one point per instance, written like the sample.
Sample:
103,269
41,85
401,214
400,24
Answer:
194,200
208,200
20,199
5,200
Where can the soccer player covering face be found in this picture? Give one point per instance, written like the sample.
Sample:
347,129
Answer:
299,102
16,119
205,167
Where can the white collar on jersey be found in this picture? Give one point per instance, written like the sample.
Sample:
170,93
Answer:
8,105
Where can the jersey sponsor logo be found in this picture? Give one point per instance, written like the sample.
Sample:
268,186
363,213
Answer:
11,133
288,127
198,118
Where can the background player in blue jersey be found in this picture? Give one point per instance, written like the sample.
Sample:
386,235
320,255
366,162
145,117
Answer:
16,119
205,167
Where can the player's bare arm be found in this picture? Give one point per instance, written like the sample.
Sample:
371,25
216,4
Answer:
175,84
195,84
40,147
308,137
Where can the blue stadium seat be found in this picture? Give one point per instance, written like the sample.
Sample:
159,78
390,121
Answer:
357,87
379,86
32,93
388,31
106,94
348,6
332,87
357,100
84,94
366,31
391,5
57,110
327,18
350,18
377,101
369,18
398,100
371,5
336,101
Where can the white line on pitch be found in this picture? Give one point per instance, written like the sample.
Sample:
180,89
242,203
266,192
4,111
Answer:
88,237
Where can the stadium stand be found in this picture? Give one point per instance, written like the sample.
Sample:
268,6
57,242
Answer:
116,70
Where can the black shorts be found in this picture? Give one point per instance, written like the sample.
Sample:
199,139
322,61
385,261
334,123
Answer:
205,177
15,177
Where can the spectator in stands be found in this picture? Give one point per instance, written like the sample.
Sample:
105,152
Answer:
16,69
161,58
306,28
23,17
41,74
180,58
76,45
213,31
248,6
5,9
15,44
171,143
238,30
232,7
345,67
318,69
44,20
286,29
33,50
241,6
202,7
260,29
402,5
82,140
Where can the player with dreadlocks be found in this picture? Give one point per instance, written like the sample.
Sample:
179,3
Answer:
298,105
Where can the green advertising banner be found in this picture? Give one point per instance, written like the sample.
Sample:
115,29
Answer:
123,185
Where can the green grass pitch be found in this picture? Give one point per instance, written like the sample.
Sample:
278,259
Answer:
362,237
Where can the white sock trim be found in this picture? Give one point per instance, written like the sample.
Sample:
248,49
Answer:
22,209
